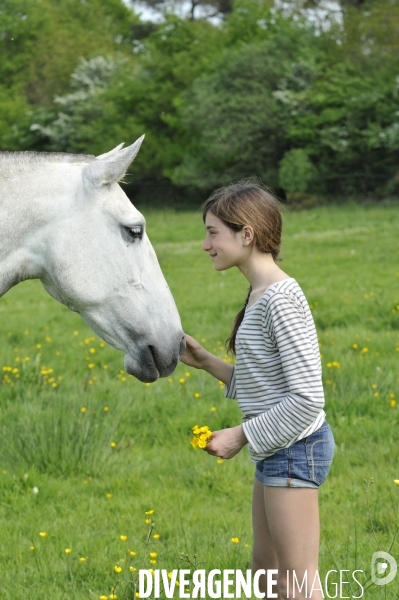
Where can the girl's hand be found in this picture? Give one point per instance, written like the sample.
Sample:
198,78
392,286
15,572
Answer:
195,355
226,443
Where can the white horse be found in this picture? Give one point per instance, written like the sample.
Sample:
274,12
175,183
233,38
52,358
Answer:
65,220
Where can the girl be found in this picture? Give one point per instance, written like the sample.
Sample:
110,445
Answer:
277,382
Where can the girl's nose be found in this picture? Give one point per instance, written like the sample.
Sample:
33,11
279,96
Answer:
206,245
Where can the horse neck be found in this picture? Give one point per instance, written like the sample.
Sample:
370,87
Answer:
28,205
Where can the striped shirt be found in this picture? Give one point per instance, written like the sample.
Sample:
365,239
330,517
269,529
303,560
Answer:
277,376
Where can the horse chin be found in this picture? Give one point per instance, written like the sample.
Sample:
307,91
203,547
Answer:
147,373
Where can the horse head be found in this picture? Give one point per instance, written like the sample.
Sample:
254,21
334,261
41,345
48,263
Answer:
90,249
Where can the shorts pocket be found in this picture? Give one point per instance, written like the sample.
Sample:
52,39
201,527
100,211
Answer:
319,454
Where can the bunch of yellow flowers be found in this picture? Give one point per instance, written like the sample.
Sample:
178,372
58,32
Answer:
201,436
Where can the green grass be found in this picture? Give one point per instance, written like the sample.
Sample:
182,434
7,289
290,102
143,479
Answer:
347,261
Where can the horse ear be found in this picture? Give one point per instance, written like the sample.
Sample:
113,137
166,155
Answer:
112,166
111,152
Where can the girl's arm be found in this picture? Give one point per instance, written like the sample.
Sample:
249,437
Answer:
196,356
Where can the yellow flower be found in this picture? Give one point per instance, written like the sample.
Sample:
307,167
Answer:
149,512
153,554
153,561
132,569
82,559
137,595
105,366
235,540
42,534
187,374
92,350
219,461
132,553
148,520
32,548
117,569
197,395
364,350
156,536
108,495
68,551
213,408
392,403
38,345
103,597
182,380
76,333
83,409
113,444
123,538
396,481
106,409
113,596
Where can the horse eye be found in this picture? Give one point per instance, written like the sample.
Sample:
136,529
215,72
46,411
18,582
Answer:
135,232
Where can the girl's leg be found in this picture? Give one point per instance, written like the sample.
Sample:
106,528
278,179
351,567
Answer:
293,525
264,554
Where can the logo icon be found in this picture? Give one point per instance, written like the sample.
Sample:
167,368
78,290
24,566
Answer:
379,566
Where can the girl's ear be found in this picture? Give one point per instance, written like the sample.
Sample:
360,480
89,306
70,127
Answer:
247,235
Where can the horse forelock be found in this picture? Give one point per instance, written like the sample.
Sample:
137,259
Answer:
12,162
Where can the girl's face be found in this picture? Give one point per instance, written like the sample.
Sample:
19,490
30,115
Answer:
227,248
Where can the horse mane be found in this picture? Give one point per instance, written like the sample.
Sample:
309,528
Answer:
16,161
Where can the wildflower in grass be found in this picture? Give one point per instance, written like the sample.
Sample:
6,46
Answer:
396,481
91,366
42,534
106,409
108,495
182,380
213,408
170,379
235,540
146,384
82,559
83,409
197,395
219,461
137,595
113,444
123,538
148,520
132,553
105,366
391,395
32,548
35,490
374,386
113,596
38,345
92,350
153,554
392,403
117,569
364,350
156,536
149,512
67,550
201,436
102,344
132,569
153,561
187,374
103,597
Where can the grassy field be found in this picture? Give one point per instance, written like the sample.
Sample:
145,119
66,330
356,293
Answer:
86,450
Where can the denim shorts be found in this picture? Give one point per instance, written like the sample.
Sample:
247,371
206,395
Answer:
304,464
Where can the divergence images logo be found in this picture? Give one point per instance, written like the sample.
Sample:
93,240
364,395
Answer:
379,567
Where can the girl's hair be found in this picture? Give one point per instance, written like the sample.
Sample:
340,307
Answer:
248,203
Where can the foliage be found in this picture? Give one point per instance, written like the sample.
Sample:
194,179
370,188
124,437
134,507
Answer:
296,171
216,101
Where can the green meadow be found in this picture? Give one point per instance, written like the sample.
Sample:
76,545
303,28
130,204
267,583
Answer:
86,450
